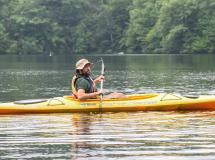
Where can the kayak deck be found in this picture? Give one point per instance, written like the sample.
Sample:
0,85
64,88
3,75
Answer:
143,102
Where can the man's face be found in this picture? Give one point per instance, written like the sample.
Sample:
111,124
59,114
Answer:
86,69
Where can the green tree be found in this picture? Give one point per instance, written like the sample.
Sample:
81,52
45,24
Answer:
175,25
143,18
46,25
28,20
205,39
4,35
120,17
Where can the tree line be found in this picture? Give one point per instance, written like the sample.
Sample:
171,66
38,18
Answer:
107,26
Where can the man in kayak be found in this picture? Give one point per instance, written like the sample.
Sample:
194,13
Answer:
84,87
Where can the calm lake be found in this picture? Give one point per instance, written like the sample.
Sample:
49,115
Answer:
123,135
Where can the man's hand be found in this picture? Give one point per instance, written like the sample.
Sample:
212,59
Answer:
99,79
102,92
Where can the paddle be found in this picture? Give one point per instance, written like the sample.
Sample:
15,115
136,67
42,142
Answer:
102,73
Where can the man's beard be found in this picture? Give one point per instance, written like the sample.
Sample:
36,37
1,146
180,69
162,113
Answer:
86,73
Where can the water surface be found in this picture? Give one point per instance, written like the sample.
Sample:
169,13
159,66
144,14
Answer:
123,135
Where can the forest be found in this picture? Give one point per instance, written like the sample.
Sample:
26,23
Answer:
107,26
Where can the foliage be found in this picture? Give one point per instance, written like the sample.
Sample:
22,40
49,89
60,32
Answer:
107,26
143,18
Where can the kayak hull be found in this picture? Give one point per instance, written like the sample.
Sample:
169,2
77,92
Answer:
143,102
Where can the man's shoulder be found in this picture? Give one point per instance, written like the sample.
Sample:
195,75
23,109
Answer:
81,80
82,83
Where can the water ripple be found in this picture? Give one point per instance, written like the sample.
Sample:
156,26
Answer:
122,135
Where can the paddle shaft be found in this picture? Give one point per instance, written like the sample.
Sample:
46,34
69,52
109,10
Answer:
102,73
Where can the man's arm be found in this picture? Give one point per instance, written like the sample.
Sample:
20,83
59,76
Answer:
82,95
99,79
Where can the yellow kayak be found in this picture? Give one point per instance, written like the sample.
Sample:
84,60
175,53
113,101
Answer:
142,102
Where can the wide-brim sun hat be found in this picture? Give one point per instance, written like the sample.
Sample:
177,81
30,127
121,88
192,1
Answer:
81,63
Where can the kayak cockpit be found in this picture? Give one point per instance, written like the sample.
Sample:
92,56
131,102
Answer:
30,101
130,97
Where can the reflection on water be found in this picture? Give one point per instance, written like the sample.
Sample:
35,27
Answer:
108,136
132,135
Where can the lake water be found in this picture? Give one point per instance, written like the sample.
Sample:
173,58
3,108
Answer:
123,135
